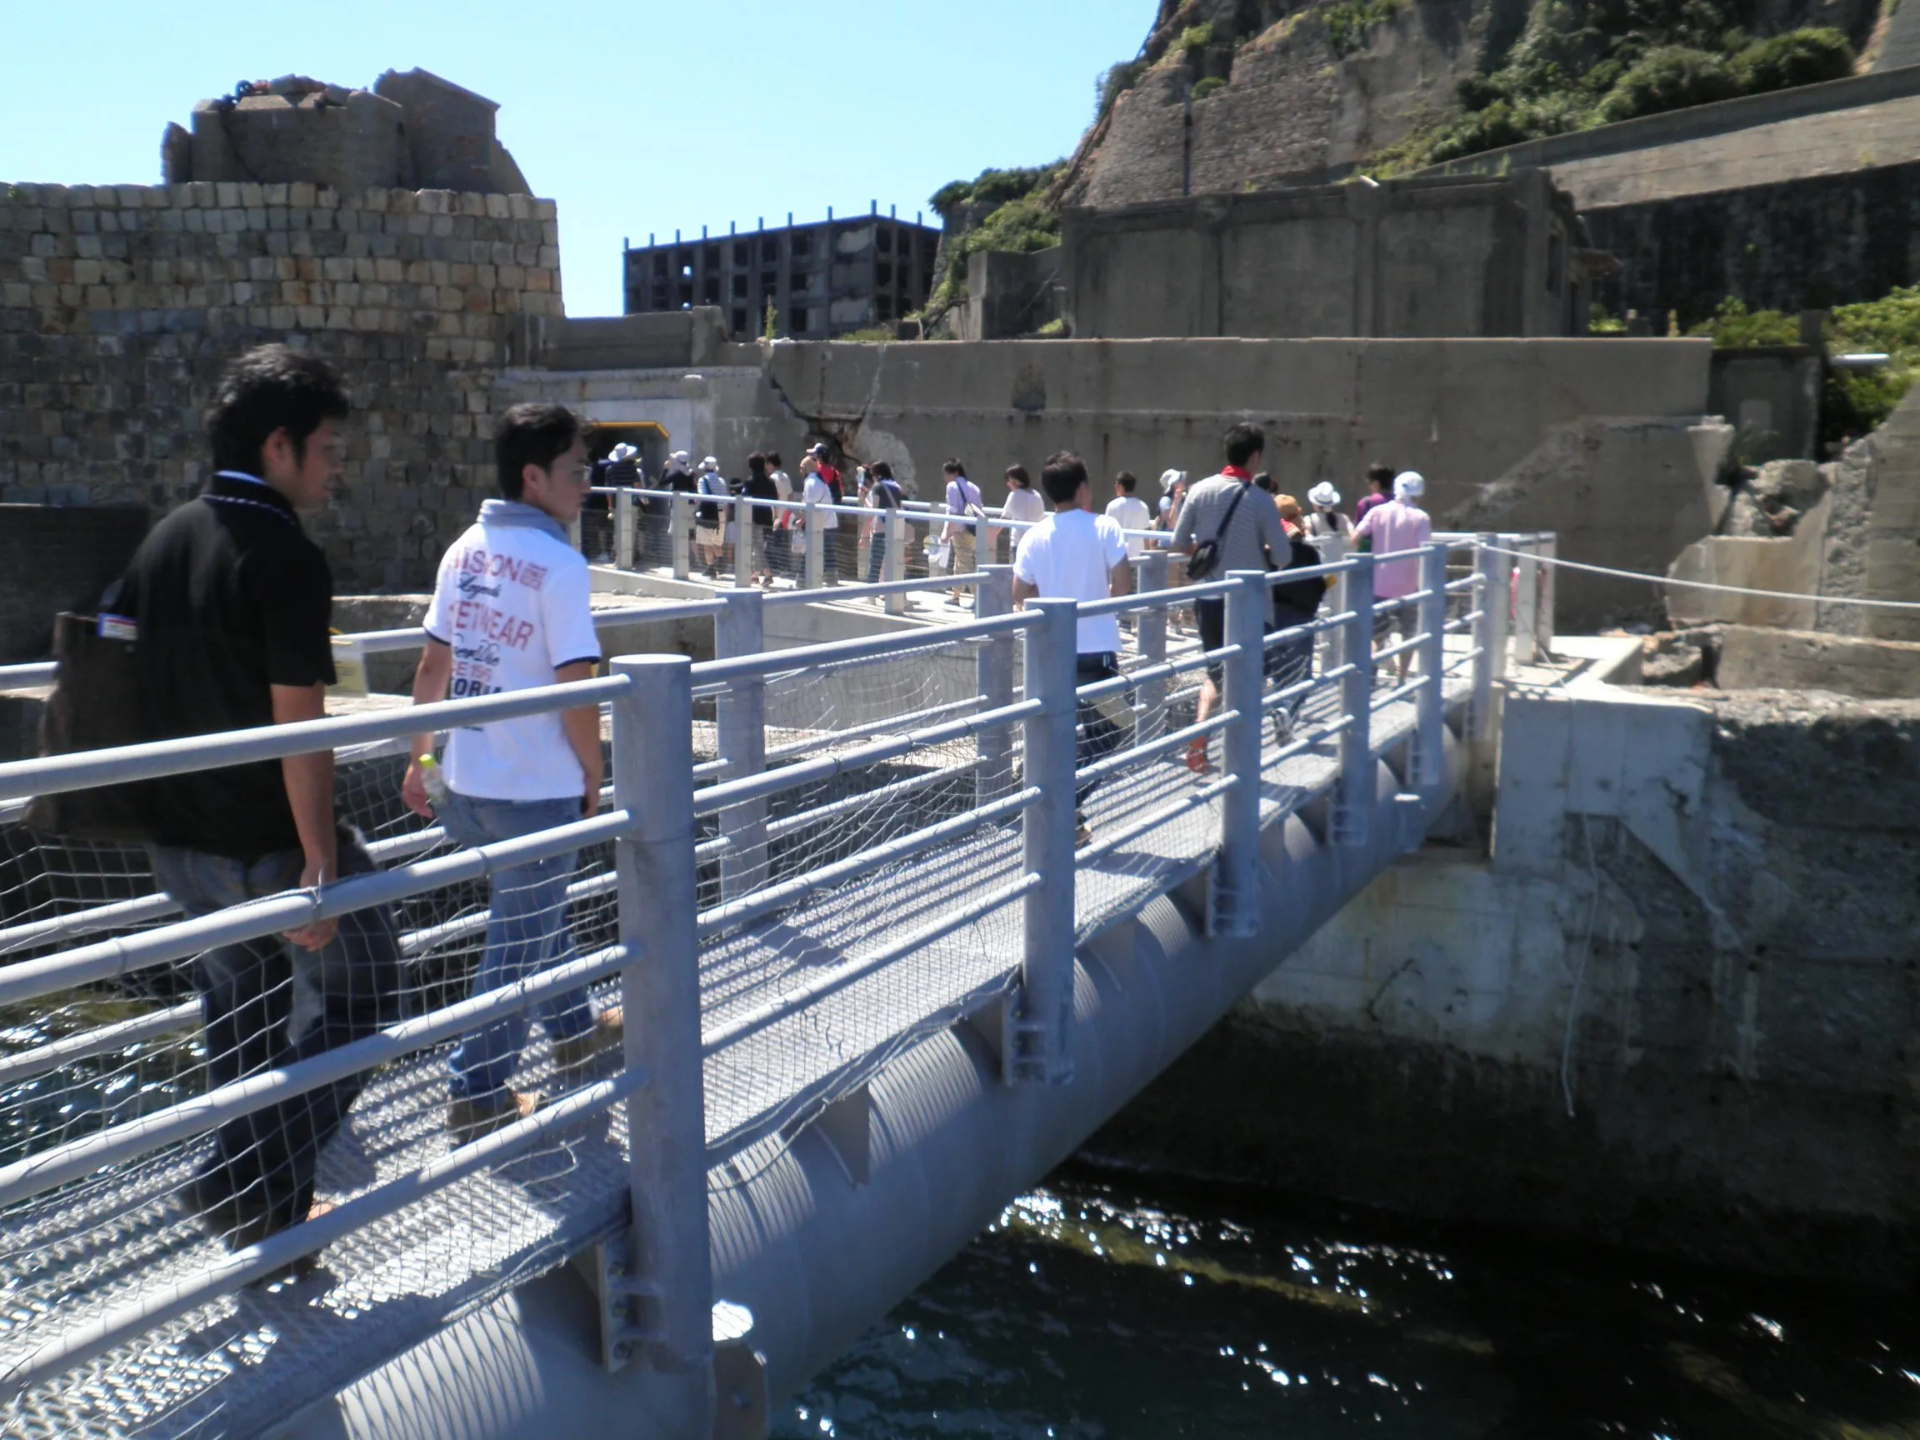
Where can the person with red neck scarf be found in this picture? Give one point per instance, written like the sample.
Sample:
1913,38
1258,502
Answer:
1247,535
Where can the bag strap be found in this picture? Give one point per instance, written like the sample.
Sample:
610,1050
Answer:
1232,505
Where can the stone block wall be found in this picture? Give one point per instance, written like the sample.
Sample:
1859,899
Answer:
120,305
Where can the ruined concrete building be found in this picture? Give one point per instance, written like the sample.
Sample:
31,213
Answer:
411,131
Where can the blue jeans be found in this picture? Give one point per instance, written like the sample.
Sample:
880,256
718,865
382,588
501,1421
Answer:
527,932
267,1004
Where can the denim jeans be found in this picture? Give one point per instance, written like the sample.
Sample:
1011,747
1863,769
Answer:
1099,733
526,933
266,1004
1291,661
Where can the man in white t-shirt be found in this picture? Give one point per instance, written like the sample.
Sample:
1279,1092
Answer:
1074,554
1129,512
510,611
818,492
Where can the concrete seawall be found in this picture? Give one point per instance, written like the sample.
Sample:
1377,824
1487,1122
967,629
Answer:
1674,1009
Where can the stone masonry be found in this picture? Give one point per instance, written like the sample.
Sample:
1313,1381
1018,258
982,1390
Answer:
119,306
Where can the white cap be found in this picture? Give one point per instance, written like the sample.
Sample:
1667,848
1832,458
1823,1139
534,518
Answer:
709,463
1169,479
1409,485
1324,495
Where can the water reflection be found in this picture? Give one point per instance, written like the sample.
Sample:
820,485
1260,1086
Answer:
1132,1307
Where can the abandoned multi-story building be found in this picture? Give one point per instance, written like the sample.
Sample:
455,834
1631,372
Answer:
822,280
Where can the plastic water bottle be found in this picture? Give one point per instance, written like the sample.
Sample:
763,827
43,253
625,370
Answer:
435,780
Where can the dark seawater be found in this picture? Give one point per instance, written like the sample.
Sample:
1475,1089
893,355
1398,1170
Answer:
1110,1305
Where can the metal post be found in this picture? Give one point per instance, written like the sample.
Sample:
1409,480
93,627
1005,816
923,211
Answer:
1333,550
660,993
574,531
895,566
1526,604
680,510
993,678
743,536
1353,795
1233,895
815,539
740,736
1427,762
1042,1027
1549,550
1489,634
1150,636
623,528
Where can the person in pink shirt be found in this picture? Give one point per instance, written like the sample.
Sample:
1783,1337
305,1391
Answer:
1395,526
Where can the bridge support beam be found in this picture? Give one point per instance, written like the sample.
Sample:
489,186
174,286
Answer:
1042,1023
993,674
740,738
1233,895
1353,792
894,567
743,546
669,1290
1429,701
680,534
815,541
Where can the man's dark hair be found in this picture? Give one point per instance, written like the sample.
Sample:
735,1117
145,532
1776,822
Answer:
1244,441
1019,473
536,433
773,460
1381,475
267,389
1125,482
756,464
954,467
880,470
1062,476
1267,483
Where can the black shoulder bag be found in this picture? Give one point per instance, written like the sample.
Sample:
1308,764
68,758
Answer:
1206,554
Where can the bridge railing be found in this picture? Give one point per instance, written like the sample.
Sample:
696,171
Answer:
813,857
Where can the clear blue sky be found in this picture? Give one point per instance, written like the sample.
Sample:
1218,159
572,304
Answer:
635,117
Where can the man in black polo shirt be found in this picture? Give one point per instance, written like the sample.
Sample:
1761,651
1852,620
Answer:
233,601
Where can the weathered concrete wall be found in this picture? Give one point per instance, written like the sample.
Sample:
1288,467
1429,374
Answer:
1675,1011
120,304
1407,258
1752,658
1771,397
1802,244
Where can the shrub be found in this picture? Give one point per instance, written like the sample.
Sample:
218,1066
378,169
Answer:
1799,57
1733,327
1212,85
1599,322
1350,22
1195,38
1669,77
1114,82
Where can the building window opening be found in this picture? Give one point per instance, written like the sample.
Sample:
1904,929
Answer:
769,249
739,287
801,319
883,274
739,322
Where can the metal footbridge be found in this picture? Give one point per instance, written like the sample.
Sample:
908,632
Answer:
876,972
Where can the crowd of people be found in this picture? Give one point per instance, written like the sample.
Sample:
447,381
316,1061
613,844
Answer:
231,601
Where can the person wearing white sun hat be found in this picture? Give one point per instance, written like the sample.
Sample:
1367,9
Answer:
1326,517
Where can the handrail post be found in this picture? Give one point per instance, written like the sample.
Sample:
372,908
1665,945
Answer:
993,679
743,566
1549,551
1489,633
1233,896
1526,604
1333,549
576,530
740,738
1353,794
1427,763
623,527
680,511
1043,1025
894,567
660,993
815,540
1150,637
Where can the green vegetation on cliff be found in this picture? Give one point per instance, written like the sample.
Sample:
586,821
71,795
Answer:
1581,63
1021,221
